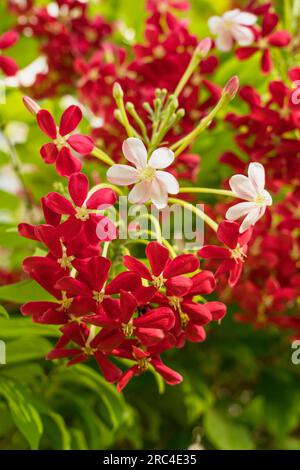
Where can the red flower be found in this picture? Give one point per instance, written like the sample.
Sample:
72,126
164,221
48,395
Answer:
8,65
82,214
143,360
58,151
264,39
119,317
233,254
80,334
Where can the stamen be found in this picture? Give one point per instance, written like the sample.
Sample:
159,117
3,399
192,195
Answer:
82,213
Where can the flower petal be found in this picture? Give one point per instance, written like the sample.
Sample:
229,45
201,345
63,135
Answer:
243,187
101,199
158,194
78,188
215,24
135,152
8,66
70,119
243,35
123,175
238,210
66,163
182,264
245,18
46,123
224,41
140,193
251,218
256,173
81,143
49,153
161,158
169,181
228,233
8,39
158,257
59,204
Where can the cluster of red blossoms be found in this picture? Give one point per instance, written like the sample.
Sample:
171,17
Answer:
137,315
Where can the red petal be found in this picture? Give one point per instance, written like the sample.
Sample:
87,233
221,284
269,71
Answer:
178,286
59,204
70,229
270,21
213,252
81,143
51,217
78,188
182,264
37,308
128,305
235,273
137,266
8,66
8,39
195,333
280,39
97,272
203,283
126,377
244,53
217,309
127,281
73,286
49,153
46,123
228,233
266,61
70,120
158,257
169,375
101,199
27,231
111,372
66,163
198,314
160,318
49,236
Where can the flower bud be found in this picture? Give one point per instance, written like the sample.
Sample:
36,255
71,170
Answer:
231,87
31,105
204,47
118,91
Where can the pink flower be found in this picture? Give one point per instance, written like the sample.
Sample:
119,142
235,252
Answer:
233,25
8,65
252,190
150,182
59,150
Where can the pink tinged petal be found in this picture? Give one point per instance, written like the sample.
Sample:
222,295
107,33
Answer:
228,233
243,187
256,173
46,123
70,119
267,197
110,372
8,66
137,266
81,143
126,377
66,163
244,18
238,210
217,310
215,24
243,35
251,219
135,152
213,252
158,194
169,181
170,376
231,14
8,39
158,257
59,204
101,199
49,153
224,41
161,158
140,193
78,188
123,175
195,333
182,264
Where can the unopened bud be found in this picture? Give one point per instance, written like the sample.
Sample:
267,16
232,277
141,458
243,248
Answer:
118,115
180,113
118,91
231,87
31,105
129,106
204,47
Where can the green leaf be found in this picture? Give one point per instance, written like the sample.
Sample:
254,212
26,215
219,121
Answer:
3,312
24,291
25,416
24,327
27,349
226,434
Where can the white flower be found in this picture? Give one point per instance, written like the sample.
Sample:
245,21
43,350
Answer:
251,189
150,182
233,25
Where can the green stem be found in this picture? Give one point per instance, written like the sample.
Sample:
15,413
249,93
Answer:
133,113
210,222
183,143
221,192
101,155
194,62
106,185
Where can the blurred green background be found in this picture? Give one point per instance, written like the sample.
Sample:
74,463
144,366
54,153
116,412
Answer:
240,389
